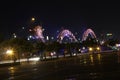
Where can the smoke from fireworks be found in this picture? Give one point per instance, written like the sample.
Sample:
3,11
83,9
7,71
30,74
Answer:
39,33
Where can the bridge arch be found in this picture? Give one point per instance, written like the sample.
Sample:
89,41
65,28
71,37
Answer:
66,33
87,32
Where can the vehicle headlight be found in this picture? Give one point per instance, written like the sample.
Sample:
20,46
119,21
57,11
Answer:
98,48
90,49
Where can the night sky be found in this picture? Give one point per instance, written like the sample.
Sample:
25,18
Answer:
75,16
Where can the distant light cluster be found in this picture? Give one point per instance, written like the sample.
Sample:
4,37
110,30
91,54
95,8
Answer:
39,33
38,30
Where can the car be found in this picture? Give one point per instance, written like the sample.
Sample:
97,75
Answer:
94,49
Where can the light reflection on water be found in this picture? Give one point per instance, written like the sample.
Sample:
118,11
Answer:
91,59
99,58
93,73
84,61
11,71
118,54
11,78
91,76
95,59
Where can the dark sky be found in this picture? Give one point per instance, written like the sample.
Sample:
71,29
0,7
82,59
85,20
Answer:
75,16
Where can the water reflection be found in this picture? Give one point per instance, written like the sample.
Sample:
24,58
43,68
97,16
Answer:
11,78
84,61
91,59
95,59
70,79
99,58
118,57
94,75
11,72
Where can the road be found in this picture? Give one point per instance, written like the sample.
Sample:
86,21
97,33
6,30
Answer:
100,66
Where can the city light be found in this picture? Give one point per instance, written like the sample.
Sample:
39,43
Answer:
10,52
109,34
47,37
98,48
90,49
117,45
33,19
23,27
14,35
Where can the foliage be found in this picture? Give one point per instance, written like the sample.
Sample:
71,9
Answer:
18,45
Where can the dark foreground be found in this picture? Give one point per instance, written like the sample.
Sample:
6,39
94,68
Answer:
104,66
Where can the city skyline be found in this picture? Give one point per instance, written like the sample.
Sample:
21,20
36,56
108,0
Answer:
77,17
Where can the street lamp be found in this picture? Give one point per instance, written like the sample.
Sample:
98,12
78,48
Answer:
10,52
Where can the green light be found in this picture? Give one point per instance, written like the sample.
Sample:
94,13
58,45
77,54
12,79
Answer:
109,34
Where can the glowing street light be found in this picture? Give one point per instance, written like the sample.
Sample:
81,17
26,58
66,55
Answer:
90,49
98,48
10,52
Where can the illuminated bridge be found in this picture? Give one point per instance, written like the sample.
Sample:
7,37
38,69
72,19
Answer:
66,33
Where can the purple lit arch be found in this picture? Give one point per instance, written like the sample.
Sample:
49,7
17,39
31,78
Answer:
86,33
66,33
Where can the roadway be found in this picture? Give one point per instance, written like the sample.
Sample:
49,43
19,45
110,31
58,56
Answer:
86,66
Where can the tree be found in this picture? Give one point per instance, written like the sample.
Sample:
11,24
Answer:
19,45
40,49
